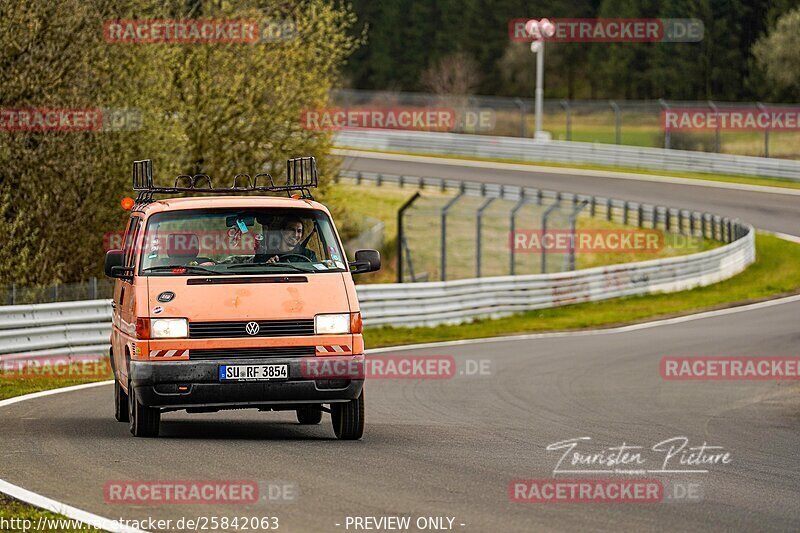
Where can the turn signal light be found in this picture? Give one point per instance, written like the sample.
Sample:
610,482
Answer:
142,328
355,323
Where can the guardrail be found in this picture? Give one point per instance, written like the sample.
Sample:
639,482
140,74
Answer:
83,327
58,329
603,121
452,302
486,146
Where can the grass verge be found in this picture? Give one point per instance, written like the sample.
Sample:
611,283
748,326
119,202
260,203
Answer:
726,178
11,386
776,272
23,517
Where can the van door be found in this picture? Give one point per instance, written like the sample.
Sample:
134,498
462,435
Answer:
124,300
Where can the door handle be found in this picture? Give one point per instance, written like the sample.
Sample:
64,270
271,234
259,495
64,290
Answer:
113,305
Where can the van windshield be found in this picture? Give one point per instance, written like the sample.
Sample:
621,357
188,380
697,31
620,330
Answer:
240,242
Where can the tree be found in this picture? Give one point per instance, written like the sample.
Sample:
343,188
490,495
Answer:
777,54
455,74
213,108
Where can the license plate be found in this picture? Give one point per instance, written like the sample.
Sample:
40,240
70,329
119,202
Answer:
253,372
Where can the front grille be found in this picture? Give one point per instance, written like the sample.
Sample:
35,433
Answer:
253,353
266,328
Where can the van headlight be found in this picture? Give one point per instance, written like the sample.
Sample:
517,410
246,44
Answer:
332,324
169,328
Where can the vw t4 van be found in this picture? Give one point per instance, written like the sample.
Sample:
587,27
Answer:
224,297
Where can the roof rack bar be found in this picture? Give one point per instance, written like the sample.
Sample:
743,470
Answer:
301,175
142,175
236,180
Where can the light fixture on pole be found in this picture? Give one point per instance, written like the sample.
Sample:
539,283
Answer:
539,30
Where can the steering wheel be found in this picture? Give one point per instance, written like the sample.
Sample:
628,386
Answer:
283,256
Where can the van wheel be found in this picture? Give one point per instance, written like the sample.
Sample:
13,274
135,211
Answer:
120,402
144,421
348,418
309,415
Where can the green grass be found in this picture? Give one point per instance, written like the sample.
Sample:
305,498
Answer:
776,272
51,376
725,178
10,387
11,509
645,129
673,245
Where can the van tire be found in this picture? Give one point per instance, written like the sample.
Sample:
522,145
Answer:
309,415
144,421
120,403
348,418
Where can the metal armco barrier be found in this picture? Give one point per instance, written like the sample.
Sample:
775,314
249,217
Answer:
566,152
59,329
83,327
453,302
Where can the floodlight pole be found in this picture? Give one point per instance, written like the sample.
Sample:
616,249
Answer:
539,30
539,88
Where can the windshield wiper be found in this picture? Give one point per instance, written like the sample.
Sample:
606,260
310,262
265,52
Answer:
194,268
278,264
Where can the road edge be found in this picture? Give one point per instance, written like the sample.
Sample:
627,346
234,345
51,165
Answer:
535,168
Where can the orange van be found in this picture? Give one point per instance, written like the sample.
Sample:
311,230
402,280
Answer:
229,298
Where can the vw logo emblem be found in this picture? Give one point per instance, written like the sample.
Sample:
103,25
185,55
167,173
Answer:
252,328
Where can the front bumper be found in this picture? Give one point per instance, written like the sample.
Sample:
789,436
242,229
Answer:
157,385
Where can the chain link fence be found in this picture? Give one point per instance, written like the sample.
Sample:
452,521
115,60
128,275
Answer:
623,122
452,229
91,289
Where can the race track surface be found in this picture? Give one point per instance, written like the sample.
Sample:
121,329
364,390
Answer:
450,447
766,211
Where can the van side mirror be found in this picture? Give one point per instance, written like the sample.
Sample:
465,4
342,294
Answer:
114,267
366,261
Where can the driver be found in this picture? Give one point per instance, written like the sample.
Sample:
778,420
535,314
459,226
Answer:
291,237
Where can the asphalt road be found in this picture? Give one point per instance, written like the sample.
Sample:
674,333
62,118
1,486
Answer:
767,211
450,448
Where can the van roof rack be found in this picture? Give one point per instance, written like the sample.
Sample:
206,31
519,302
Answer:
301,175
